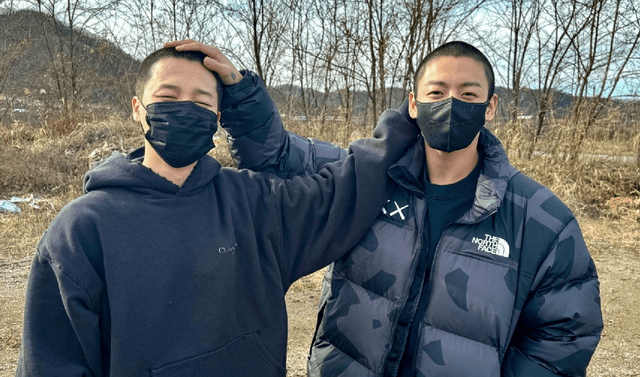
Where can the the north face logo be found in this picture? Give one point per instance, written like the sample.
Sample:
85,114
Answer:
492,245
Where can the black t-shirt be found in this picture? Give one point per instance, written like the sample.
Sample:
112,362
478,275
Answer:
445,204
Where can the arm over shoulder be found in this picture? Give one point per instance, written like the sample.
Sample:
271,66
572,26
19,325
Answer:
257,138
324,215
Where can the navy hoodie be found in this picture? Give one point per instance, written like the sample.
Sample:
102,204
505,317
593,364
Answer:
141,277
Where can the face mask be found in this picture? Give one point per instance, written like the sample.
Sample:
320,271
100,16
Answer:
180,132
450,125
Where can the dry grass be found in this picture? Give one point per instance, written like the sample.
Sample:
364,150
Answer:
585,173
46,161
49,162
42,161
336,132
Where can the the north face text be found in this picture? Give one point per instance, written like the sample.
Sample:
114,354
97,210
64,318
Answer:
492,245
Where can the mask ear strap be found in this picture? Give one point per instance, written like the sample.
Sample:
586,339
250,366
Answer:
145,109
141,104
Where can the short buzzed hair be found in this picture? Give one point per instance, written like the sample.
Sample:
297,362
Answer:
144,73
457,49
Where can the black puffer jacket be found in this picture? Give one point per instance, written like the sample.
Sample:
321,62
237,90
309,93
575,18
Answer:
513,290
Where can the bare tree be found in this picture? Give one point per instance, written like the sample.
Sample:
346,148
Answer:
563,23
524,21
63,31
602,53
9,56
260,26
405,32
332,53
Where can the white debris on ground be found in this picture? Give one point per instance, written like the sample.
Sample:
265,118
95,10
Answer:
10,206
7,206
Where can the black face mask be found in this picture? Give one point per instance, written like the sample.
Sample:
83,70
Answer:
450,124
180,132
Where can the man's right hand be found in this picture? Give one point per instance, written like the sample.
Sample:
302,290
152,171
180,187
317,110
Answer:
215,60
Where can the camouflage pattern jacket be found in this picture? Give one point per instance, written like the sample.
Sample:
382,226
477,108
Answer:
513,290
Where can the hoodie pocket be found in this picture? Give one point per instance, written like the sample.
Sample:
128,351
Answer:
243,356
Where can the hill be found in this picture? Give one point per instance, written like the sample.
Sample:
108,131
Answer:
43,62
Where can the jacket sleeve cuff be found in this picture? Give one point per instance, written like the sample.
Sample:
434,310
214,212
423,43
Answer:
232,94
515,364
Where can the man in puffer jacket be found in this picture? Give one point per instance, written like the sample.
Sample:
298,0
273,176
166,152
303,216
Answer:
472,268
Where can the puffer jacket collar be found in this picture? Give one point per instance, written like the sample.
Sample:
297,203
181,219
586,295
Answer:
492,183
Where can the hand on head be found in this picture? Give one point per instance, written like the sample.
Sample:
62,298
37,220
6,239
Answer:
216,61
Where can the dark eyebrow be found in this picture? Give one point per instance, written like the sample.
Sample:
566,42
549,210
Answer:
471,83
168,86
464,85
199,91
205,92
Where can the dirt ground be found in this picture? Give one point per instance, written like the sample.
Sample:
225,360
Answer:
613,245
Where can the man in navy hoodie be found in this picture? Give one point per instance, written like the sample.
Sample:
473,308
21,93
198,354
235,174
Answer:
170,265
